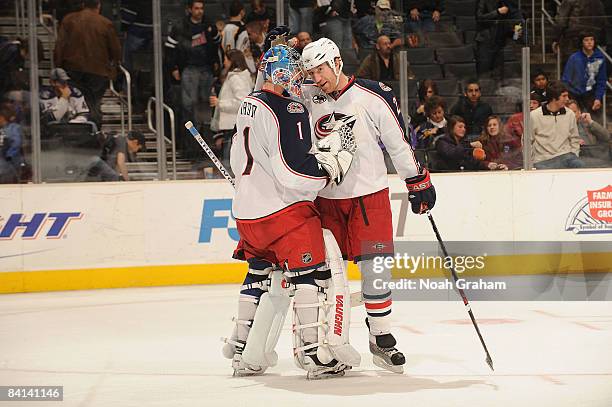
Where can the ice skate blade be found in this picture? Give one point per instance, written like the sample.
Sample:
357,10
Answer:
324,375
378,361
246,373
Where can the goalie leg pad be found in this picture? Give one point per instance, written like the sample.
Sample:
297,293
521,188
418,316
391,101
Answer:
267,324
339,314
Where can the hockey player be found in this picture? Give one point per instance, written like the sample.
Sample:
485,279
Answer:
358,212
277,180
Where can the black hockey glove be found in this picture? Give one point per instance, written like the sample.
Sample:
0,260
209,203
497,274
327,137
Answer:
421,192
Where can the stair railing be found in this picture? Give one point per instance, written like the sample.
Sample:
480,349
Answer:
172,139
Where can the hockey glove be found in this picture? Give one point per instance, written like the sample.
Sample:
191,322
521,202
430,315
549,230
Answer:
335,165
421,192
340,138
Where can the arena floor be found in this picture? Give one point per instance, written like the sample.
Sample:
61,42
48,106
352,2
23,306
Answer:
160,347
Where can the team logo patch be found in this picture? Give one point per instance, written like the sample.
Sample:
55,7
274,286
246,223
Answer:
326,123
379,247
592,214
306,258
384,87
295,107
318,99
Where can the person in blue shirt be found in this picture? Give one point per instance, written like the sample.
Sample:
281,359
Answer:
585,74
10,145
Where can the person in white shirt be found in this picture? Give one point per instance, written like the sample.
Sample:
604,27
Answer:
358,212
237,84
277,180
62,102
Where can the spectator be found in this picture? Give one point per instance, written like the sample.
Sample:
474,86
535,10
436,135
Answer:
334,22
12,64
192,49
237,83
456,153
11,137
555,142
497,21
501,148
61,102
88,49
427,89
595,139
257,38
422,15
303,39
117,151
585,74
383,64
137,23
514,127
234,33
573,18
472,109
435,127
539,82
261,12
384,22
300,15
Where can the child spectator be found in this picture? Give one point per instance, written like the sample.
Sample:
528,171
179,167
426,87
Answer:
435,126
11,138
539,82
427,89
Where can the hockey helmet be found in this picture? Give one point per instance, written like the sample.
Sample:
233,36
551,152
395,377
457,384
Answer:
282,65
321,51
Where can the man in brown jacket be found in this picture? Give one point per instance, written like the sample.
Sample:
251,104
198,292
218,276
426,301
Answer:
382,64
88,49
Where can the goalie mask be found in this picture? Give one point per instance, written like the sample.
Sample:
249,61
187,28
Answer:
282,65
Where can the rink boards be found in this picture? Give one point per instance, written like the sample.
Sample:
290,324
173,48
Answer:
81,236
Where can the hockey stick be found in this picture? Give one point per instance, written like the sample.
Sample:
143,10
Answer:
196,134
356,298
461,292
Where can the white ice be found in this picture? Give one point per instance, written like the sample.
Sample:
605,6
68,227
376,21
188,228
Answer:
160,347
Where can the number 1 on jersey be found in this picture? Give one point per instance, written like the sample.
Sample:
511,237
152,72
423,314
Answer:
249,164
299,124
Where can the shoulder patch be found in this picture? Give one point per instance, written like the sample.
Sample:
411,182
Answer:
295,107
384,87
318,99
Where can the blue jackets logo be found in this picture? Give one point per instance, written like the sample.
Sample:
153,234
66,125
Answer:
52,225
592,214
215,215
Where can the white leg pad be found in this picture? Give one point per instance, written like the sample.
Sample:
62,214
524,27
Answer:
267,324
339,313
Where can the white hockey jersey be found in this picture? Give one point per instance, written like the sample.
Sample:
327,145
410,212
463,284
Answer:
270,156
378,119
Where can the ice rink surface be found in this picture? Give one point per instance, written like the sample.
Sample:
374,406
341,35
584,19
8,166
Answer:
160,347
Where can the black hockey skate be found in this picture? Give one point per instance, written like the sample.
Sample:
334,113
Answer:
384,353
316,370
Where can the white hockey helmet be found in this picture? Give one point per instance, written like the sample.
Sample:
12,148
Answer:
321,51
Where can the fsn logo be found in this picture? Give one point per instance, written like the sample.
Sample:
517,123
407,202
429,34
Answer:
30,229
215,215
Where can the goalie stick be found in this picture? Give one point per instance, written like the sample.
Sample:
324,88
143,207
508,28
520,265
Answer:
356,298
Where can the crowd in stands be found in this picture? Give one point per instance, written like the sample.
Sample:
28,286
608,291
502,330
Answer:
210,63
